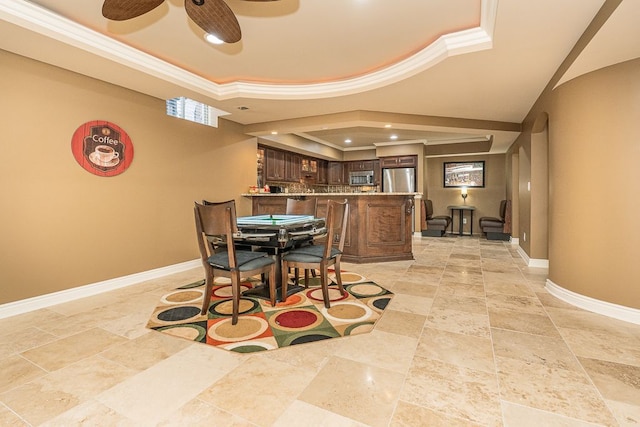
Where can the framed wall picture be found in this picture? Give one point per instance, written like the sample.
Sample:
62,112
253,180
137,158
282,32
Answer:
464,174
102,148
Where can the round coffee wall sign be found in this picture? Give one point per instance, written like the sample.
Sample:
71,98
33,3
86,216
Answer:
102,148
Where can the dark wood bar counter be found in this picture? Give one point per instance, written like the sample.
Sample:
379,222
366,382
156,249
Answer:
380,224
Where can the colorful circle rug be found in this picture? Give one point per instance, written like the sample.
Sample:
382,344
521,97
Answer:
300,319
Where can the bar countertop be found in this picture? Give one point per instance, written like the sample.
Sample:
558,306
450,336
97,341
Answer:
371,193
380,224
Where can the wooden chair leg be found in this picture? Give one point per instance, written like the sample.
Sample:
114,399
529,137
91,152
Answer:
324,279
235,296
208,285
285,282
296,277
272,285
339,277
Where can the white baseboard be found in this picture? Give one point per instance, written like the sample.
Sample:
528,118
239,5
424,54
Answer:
42,301
515,241
538,263
615,311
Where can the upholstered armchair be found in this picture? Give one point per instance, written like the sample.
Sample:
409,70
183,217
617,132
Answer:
498,228
436,226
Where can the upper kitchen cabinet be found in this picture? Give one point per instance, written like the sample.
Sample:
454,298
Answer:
361,165
292,164
309,169
323,172
281,166
337,174
274,165
399,162
377,172
260,167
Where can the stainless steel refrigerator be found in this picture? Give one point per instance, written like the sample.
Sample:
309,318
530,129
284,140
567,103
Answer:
399,180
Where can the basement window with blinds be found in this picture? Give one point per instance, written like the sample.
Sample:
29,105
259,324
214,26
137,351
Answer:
194,111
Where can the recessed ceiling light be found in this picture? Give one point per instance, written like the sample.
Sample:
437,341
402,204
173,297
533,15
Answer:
212,39
387,126
347,141
394,136
274,132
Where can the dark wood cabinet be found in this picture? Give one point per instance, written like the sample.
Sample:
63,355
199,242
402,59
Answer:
286,166
292,165
323,173
269,205
399,162
274,165
385,232
310,169
361,165
377,172
336,174
260,168
281,166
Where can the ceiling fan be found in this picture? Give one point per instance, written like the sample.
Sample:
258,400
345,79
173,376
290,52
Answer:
213,16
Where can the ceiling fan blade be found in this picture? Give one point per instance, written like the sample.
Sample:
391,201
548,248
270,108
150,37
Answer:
214,17
121,10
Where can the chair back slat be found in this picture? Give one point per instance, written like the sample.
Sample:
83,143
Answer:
337,222
302,207
215,226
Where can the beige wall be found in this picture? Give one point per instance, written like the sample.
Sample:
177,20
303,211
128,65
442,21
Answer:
539,232
530,180
486,200
524,197
590,126
594,151
63,227
512,176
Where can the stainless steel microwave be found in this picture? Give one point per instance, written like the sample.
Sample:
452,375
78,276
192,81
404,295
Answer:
361,178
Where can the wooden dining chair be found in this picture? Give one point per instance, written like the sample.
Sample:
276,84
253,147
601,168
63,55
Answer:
321,255
306,206
215,227
302,207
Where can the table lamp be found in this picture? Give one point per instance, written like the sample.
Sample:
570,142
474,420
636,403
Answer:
464,194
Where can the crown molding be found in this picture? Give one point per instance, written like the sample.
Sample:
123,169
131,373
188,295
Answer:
40,20
407,142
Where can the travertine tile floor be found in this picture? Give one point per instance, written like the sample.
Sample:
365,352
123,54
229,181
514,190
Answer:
471,339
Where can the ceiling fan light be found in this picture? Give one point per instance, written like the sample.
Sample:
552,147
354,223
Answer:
211,38
214,17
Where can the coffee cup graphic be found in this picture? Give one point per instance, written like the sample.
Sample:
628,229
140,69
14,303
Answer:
105,153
